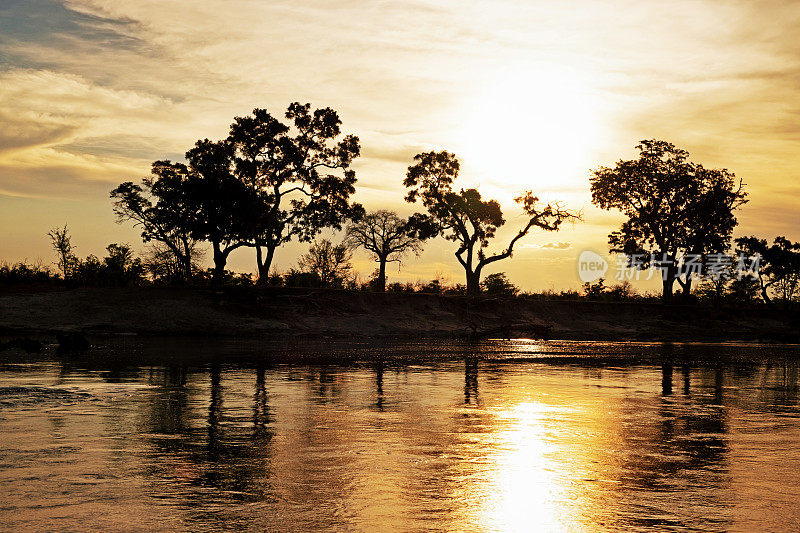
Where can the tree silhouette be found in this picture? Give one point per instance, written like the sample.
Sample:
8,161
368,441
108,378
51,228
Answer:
164,266
463,217
674,208
499,284
300,172
222,205
161,208
778,266
329,262
120,268
62,244
386,237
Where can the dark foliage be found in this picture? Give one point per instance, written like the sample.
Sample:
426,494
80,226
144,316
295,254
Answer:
386,237
778,275
674,207
465,218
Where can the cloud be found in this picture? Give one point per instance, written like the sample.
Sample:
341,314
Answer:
50,121
92,91
558,245
561,245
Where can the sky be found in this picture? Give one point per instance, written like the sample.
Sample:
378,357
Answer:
529,95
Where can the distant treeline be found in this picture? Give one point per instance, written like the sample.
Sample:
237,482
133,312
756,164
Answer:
135,272
277,179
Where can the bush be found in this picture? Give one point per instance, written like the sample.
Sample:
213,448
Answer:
499,285
118,269
27,274
400,287
233,279
434,286
594,291
621,292
297,278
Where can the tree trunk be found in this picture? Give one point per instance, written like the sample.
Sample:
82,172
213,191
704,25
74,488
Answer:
260,266
220,260
473,283
264,263
186,261
686,289
187,268
380,283
666,294
668,279
765,295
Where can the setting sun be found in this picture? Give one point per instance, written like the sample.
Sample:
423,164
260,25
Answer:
531,127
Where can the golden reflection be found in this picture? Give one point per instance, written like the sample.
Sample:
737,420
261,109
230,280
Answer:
547,458
525,491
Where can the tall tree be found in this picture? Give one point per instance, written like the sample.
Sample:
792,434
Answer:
223,206
160,207
386,237
301,173
463,217
62,244
674,207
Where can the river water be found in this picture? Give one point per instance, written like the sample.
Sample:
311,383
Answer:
327,436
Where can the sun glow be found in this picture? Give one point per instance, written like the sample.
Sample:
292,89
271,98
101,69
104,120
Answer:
531,129
526,490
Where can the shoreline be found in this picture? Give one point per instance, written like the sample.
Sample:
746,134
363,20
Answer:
282,313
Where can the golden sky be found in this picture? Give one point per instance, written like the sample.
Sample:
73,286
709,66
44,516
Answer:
528,94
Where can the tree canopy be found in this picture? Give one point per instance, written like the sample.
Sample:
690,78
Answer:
300,172
778,266
329,262
264,184
160,207
673,207
222,205
384,235
465,218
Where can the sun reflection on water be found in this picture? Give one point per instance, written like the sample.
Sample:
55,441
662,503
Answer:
526,492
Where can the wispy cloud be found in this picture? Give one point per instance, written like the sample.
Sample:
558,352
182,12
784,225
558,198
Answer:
91,91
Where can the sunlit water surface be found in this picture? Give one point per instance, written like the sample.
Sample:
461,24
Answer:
500,436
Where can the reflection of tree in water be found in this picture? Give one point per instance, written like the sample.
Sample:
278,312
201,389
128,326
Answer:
168,410
682,453
678,454
226,454
324,384
779,384
453,447
470,379
379,401
262,417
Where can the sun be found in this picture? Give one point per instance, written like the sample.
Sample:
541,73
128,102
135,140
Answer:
530,129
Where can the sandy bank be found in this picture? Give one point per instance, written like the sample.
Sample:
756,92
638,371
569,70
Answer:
315,313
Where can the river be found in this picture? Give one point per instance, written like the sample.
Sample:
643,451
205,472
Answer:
142,435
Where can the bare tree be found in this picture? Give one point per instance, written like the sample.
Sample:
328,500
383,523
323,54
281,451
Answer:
330,262
163,265
386,237
62,244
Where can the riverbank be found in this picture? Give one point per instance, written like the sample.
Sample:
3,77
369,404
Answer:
307,313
